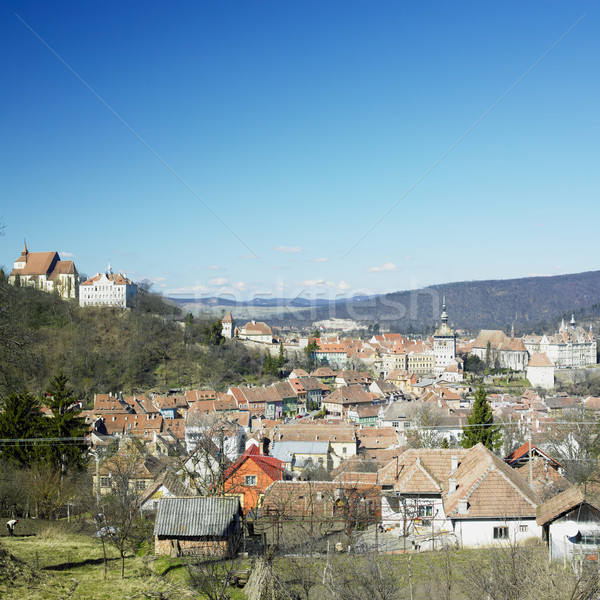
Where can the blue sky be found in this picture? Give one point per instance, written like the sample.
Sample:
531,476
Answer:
273,147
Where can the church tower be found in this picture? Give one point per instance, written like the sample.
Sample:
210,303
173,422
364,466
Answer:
444,342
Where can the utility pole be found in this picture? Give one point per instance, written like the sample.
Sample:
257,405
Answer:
530,459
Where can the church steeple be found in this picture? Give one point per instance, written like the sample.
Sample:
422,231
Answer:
444,316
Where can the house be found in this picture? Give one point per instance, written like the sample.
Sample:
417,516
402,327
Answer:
340,400
470,495
571,524
250,475
167,485
332,501
365,416
198,526
299,455
256,331
341,438
107,289
45,271
126,466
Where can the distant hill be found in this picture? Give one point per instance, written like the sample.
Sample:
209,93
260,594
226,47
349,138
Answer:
527,302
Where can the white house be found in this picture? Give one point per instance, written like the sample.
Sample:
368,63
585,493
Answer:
107,289
470,496
571,524
256,331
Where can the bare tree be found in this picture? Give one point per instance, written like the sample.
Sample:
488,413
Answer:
372,576
575,443
213,573
427,419
120,523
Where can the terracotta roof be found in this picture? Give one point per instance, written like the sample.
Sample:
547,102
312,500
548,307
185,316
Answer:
256,328
38,263
115,278
567,501
540,359
227,318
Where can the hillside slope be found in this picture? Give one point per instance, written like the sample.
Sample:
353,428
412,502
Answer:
473,305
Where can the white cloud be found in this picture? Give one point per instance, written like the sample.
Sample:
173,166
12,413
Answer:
214,267
67,255
218,281
240,285
287,249
344,286
388,266
321,260
248,256
188,290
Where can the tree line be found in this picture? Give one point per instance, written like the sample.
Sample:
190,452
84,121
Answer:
148,347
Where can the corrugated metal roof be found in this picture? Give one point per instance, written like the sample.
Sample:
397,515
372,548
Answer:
197,517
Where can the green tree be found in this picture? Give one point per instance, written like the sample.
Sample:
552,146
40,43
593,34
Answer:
21,419
66,424
480,426
312,347
216,333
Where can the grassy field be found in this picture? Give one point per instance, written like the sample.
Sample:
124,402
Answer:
56,560
64,561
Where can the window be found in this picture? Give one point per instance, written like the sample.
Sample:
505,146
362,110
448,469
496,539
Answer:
250,479
104,481
590,538
523,528
425,510
500,533
319,496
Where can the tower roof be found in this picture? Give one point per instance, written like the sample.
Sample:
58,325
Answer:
444,329
228,318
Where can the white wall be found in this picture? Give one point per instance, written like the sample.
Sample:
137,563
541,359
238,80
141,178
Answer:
473,533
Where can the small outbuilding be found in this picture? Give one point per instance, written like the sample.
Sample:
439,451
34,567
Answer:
571,524
198,526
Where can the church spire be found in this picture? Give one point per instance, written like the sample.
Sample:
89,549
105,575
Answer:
444,316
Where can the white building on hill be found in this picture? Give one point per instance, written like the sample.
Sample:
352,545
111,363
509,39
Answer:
107,289
571,346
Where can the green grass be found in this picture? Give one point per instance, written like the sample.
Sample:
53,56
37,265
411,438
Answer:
59,564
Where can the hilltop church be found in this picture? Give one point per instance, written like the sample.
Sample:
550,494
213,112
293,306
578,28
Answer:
45,271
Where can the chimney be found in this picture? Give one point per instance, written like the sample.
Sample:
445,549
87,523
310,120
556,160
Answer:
463,508
453,463
451,485
418,461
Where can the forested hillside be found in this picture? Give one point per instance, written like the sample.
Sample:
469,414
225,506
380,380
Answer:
148,347
473,305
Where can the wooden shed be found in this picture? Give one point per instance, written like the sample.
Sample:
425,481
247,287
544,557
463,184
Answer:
198,526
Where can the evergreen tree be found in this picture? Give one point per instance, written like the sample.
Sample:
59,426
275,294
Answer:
281,358
20,419
216,333
65,423
480,424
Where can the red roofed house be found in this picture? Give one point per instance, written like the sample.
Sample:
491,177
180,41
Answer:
107,289
45,271
250,475
256,331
